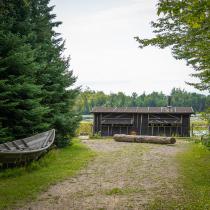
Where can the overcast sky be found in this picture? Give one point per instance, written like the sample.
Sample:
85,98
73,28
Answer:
105,56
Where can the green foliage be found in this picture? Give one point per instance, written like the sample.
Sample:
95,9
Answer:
54,76
85,128
36,91
54,167
206,115
115,191
184,26
96,136
21,112
206,141
88,99
123,191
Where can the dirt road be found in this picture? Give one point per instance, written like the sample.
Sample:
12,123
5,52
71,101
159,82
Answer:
122,176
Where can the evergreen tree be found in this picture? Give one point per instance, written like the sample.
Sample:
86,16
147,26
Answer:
53,74
36,91
21,113
133,99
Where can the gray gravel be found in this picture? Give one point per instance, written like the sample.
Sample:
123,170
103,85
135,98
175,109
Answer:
122,176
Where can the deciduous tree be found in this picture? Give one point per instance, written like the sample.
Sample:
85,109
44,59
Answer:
184,25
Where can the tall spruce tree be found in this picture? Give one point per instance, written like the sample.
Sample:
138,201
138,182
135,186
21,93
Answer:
35,84
21,113
54,74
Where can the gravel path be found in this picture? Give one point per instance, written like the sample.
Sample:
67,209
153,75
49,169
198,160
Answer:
123,176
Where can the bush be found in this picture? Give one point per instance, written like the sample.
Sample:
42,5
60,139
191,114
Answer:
85,128
206,140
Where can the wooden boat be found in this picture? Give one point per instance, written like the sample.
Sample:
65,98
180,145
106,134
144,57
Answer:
27,149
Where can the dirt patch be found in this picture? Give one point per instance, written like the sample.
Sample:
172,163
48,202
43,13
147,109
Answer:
123,176
105,145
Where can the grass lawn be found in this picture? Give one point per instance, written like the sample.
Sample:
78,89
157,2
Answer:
195,179
20,185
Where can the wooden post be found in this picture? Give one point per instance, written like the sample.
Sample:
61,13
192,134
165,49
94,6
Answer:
188,132
100,123
177,130
111,130
94,124
137,120
192,130
181,126
92,129
97,123
133,118
140,125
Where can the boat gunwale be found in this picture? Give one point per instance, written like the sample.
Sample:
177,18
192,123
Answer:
32,151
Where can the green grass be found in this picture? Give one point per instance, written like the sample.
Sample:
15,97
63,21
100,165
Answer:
20,185
123,191
195,179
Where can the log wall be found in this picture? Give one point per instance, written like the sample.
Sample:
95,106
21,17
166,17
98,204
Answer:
141,125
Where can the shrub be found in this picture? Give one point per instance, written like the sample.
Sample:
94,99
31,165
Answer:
206,140
85,128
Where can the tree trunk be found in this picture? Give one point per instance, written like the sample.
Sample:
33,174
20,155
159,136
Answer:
144,139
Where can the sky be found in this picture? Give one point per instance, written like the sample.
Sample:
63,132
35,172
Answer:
105,57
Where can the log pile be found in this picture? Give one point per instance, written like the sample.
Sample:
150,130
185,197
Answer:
144,139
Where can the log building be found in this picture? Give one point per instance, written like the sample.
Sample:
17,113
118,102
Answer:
155,121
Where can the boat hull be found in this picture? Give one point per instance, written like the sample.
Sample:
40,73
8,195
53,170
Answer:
30,149
21,157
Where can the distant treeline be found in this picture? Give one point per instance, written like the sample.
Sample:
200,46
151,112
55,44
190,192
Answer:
89,98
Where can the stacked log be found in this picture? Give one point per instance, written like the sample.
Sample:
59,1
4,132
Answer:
144,139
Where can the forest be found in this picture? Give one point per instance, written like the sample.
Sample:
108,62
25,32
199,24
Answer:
90,98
